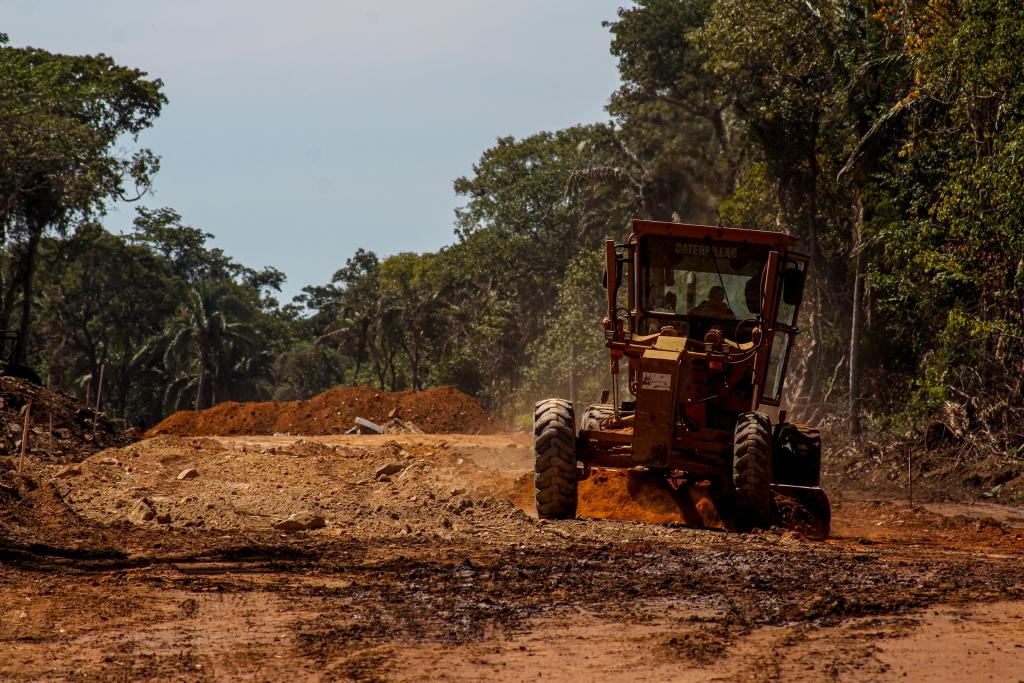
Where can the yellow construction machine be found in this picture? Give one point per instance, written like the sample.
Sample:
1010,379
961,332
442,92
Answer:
704,333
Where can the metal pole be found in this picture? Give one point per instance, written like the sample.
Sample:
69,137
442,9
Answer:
615,396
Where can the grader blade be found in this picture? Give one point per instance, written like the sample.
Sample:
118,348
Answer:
644,496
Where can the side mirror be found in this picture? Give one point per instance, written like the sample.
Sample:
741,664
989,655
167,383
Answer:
792,286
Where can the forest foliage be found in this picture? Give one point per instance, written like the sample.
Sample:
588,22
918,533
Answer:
885,134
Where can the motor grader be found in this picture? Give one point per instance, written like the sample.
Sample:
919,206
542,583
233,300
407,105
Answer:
703,337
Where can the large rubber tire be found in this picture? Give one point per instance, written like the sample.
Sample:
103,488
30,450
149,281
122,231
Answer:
752,471
594,415
554,447
796,455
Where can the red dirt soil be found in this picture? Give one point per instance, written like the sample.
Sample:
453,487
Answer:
622,494
439,410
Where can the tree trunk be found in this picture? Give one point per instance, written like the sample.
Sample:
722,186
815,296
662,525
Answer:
124,381
572,371
817,357
414,363
203,398
27,293
855,323
201,388
360,348
378,366
393,371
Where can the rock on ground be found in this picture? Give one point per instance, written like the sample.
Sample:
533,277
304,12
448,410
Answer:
301,521
142,513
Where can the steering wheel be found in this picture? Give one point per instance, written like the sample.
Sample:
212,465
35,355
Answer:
744,330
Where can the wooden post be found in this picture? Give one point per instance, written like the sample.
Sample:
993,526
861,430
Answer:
99,396
24,436
910,476
49,440
99,387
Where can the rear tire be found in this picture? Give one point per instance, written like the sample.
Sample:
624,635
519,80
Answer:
752,471
594,415
796,455
554,446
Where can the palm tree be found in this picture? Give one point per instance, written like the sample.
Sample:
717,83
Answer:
210,345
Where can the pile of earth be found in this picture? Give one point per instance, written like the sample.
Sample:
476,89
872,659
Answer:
60,428
437,411
428,490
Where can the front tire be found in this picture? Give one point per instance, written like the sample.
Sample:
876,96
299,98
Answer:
752,471
554,446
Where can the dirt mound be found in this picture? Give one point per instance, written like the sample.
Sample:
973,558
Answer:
440,410
171,482
78,431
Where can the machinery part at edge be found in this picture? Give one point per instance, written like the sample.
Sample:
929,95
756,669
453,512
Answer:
752,471
554,447
815,503
796,455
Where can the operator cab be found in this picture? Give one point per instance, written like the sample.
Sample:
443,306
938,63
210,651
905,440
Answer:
695,279
695,285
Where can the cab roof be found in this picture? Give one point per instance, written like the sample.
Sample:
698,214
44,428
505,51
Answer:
779,241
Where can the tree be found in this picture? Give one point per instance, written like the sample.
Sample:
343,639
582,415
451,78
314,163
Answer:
207,341
570,358
101,300
61,121
951,246
306,368
415,308
184,248
346,310
519,229
680,145
221,342
780,65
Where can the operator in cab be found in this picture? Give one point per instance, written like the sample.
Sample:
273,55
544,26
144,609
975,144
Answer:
714,306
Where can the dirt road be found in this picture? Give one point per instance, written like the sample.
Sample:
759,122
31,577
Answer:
171,560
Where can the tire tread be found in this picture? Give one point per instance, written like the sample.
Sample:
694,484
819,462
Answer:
555,479
752,471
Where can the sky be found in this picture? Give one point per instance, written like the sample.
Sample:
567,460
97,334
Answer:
299,131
